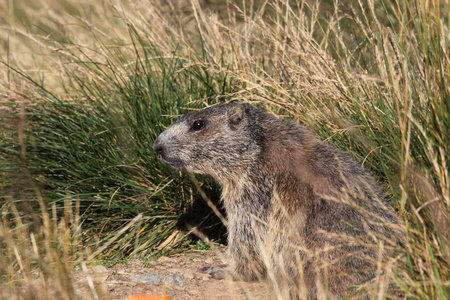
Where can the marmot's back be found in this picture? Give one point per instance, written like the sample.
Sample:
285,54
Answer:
297,207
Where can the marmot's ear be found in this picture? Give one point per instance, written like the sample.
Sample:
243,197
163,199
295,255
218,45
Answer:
235,115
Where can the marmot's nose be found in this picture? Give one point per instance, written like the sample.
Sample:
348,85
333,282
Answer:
158,147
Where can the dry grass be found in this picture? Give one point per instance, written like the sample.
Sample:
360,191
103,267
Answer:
371,77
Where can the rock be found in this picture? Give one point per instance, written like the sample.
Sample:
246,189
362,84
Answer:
177,279
153,278
149,277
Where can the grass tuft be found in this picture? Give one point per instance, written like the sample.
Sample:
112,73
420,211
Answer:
84,99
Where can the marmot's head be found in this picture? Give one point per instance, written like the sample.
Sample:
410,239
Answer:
216,141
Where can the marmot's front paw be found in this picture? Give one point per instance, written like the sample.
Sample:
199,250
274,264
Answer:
216,272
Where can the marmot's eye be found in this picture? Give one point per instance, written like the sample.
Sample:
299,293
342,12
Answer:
199,124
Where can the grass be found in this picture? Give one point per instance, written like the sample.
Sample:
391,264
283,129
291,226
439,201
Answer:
84,99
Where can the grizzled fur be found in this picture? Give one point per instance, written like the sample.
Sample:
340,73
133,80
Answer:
289,197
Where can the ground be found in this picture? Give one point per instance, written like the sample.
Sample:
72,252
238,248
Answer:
176,276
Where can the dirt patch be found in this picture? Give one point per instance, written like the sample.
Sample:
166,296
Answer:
177,277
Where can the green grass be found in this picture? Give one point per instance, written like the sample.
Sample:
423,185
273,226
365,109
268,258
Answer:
80,114
97,149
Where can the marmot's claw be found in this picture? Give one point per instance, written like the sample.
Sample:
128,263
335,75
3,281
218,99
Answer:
216,272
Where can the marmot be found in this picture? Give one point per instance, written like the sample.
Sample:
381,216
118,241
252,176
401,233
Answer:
299,210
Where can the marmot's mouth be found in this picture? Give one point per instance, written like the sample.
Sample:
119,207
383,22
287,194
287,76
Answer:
174,163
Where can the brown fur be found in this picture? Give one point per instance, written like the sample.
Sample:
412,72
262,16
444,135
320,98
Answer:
299,210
